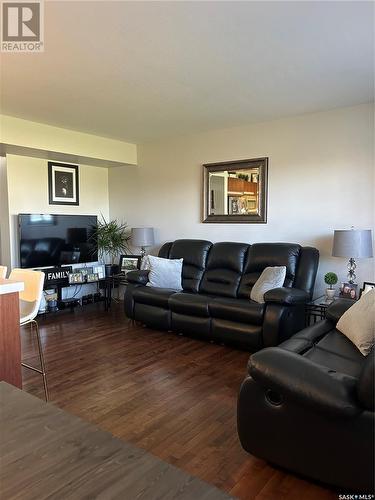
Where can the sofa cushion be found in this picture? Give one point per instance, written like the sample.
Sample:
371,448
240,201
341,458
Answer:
262,255
194,253
304,340
237,310
164,273
165,250
224,269
190,304
358,323
336,352
152,296
271,278
365,387
243,335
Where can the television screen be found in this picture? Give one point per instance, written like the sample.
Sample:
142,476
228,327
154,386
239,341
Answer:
55,240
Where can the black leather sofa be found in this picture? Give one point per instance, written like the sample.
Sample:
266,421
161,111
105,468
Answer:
215,300
308,406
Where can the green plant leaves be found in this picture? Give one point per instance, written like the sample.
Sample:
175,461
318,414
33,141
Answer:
112,238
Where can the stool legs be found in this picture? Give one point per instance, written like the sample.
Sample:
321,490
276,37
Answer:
42,369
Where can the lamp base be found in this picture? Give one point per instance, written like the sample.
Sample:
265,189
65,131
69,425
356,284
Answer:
351,271
143,252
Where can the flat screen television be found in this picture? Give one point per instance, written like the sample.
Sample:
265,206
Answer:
54,240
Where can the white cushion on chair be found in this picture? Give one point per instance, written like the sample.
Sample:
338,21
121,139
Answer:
27,311
31,296
3,272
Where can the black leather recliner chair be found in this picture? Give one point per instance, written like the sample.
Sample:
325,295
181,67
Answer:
215,300
308,406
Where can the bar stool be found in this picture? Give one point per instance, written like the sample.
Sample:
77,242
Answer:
3,272
29,305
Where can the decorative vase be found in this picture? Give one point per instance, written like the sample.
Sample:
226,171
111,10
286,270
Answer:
330,293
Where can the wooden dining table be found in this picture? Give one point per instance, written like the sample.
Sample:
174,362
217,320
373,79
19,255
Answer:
47,453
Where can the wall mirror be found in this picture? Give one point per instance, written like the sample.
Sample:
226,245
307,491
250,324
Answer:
236,191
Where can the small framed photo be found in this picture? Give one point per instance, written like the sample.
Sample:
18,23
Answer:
233,205
367,286
348,290
129,263
75,278
91,277
63,184
85,271
100,271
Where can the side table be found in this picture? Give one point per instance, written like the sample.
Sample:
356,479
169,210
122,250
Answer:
315,310
108,284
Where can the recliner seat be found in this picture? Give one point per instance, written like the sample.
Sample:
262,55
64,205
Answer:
215,300
308,406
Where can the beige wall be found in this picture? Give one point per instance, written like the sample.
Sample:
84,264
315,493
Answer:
321,178
25,133
4,216
28,193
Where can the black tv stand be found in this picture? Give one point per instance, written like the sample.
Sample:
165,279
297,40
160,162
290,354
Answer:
106,284
70,303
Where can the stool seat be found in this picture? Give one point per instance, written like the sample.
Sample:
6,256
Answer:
30,299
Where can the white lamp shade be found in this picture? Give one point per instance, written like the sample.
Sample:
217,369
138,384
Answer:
355,243
142,236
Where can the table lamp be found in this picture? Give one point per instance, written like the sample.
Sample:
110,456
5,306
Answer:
142,237
353,244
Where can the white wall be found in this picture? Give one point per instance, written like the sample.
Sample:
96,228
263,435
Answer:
24,133
5,258
28,193
321,178
27,183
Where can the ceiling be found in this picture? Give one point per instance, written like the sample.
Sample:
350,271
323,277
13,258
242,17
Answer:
139,71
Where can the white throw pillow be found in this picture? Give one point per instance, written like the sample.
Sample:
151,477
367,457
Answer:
271,277
165,273
358,322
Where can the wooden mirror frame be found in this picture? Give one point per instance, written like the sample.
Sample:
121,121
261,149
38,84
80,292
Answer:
261,217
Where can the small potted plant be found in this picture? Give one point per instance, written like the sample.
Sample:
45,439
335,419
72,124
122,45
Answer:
113,240
330,279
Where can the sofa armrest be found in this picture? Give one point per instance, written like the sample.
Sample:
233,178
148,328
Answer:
293,377
337,309
138,277
287,296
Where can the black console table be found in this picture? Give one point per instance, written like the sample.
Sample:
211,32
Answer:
106,284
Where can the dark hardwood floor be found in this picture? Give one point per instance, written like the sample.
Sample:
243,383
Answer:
171,395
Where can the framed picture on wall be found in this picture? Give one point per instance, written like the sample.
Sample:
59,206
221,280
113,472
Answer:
63,184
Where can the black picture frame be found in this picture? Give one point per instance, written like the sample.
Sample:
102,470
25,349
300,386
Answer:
63,183
130,258
365,283
349,290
